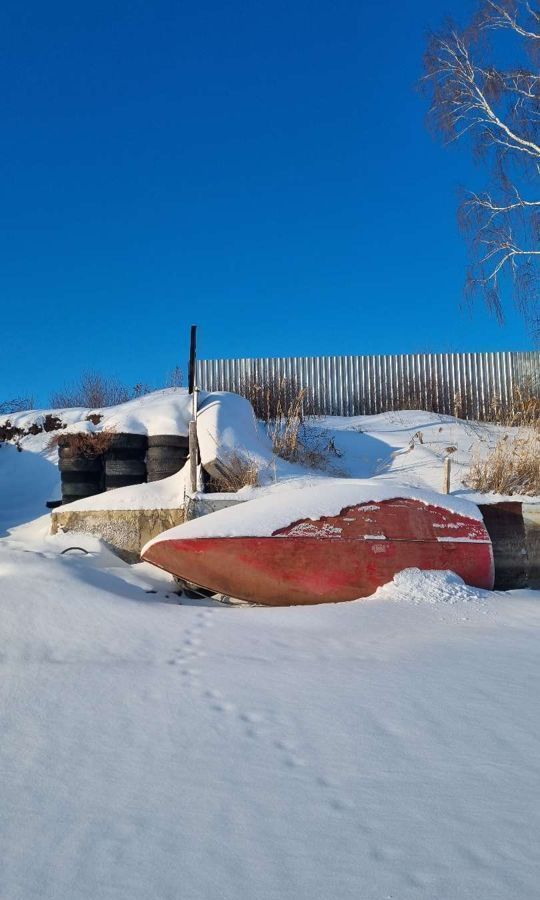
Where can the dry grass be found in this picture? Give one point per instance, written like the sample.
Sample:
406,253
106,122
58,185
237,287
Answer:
237,470
84,444
523,410
284,407
272,399
512,467
284,428
292,440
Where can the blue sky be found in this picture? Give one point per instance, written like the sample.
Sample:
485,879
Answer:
262,169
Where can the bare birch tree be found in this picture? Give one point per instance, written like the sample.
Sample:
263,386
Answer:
484,82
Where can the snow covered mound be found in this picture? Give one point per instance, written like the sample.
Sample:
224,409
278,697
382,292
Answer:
162,412
419,586
397,447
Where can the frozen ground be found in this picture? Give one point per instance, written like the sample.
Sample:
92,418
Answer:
387,749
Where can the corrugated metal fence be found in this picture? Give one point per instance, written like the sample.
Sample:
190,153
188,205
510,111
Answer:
465,384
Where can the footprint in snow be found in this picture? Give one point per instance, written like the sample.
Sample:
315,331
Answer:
223,707
253,718
192,642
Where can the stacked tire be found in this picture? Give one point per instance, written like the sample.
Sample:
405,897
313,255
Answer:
125,461
166,455
81,476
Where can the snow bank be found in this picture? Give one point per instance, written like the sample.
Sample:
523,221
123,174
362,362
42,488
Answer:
162,412
420,586
169,493
226,426
284,503
353,752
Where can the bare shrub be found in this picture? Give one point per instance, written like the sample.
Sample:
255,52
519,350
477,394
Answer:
175,378
237,470
84,443
20,404
139,390
291,439
92,390
512,467
315,450
9,432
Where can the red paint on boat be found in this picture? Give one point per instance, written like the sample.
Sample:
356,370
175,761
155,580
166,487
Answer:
334,558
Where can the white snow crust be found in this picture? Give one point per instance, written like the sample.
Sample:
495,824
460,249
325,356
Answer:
167,411
158,747
384,748
288,502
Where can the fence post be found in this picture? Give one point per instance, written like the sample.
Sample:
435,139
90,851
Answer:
447,465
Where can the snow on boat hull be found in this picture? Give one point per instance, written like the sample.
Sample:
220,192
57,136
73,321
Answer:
334,558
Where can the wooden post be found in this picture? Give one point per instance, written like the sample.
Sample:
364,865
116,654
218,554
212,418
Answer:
446,475
192,432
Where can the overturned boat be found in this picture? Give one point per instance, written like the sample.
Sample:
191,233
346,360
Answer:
325,541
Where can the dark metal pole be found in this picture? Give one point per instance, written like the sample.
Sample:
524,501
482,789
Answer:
192,433
192,358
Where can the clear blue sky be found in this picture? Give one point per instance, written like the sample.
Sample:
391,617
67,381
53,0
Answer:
262,169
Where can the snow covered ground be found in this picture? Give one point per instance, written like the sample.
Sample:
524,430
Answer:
155,747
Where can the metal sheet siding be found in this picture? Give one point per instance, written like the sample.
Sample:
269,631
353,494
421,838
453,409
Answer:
360,385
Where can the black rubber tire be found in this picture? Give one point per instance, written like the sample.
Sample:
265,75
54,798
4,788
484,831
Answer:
168,440
161,455
126,453
160,474
92,478
81,489
169,465
118,481
80,464
133,468
128,442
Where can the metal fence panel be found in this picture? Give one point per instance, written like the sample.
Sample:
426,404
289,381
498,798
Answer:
358,385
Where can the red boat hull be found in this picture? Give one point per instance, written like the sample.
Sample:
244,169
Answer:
335,558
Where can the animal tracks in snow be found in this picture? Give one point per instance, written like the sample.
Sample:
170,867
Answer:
251,723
